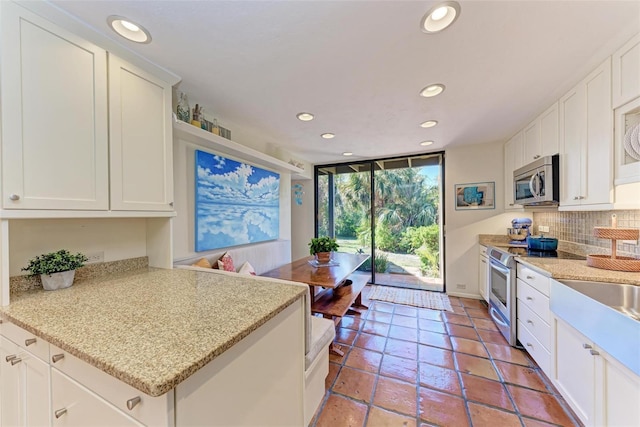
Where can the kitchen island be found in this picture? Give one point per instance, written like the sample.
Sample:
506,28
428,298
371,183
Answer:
209,346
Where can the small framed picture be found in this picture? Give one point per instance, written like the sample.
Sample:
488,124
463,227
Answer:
478,195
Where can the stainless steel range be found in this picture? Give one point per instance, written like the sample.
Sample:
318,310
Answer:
502,297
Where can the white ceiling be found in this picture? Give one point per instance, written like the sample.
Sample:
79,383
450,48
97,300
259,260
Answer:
359,65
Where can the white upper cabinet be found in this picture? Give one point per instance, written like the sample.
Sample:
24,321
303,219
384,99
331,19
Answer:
79,133
541,136
54,116
586,141
532,148
141,140
626,72
512,157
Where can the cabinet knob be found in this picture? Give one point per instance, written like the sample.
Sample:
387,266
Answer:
594,352
529,299
530,277
15,361
576,198
171,204
10,357
29,341
529,321
14,197
537,156
586,346
582,197
131,403
511,204
57,357
529,345
60,412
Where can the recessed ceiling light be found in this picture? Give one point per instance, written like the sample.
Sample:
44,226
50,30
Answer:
129,29
426,143
432,90
428,124
347,153
328,135
440,17
305,117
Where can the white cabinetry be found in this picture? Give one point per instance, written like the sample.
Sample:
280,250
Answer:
54,116
626,72
483,272
62,147
541,136
24,390
586,147
598,388
534,330
140,144
513,159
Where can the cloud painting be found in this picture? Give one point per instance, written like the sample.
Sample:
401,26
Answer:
236,203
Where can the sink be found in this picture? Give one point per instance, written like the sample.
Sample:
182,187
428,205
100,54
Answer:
607,314
623,298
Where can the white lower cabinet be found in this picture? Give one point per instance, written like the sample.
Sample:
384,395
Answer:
600,390
483,271
75,405
24,392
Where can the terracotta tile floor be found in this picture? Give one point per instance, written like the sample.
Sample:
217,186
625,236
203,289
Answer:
417,367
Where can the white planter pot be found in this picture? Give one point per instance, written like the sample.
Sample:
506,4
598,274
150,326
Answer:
51,282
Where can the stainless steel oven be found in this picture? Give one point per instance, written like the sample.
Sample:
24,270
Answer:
502,297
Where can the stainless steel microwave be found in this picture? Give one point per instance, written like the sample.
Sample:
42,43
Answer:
538,183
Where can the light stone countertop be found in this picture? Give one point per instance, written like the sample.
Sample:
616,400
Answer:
151,328
568,269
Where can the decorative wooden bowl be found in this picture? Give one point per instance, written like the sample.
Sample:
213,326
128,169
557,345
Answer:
343,289
621,263
614,262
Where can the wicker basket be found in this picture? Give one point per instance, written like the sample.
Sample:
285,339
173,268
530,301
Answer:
619,264
343,289
616,233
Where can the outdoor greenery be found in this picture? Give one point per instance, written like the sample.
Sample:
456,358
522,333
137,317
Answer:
322,244
382,262
406,208
55,262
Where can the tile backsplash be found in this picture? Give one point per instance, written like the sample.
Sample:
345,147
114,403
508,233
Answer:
575,229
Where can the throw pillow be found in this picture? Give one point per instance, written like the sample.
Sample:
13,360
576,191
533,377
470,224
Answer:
247,268
226,263
202,262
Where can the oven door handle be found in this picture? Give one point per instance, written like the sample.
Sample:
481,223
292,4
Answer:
496,317
501,268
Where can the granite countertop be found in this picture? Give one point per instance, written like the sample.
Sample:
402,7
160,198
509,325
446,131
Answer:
151,328
564,268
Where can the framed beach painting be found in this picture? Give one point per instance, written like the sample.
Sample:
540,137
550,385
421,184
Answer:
236,203
479,195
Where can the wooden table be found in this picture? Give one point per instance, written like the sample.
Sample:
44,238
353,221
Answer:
327,302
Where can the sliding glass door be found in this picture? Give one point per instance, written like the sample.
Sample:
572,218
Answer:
392,205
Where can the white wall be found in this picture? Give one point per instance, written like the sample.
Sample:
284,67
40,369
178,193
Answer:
118,238
302,220
468,164
184,222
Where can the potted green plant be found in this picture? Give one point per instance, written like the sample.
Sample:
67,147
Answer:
56,269
322,247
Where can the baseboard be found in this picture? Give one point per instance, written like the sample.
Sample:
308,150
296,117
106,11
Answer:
463,295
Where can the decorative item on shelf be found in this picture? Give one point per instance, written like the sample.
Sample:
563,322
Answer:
322,247
56,269
196,116
215,129
296,163
183,110
224,132
614,262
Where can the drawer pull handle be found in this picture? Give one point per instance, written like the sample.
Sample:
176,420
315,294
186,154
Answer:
529,345
29,341
14,197
60,412
57,357
131,403
529,321
530,277
15,361
594,352
10,357
586,346
529,299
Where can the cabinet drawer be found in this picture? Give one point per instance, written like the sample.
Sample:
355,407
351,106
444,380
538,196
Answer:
534,348
538,328
150,410
39,347
537,280
74,405
537,302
